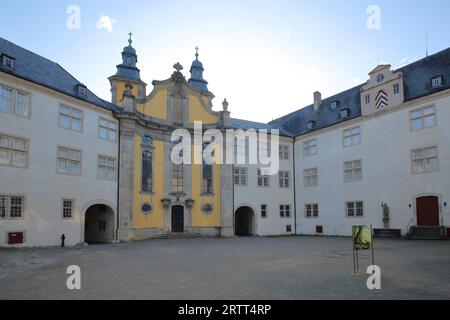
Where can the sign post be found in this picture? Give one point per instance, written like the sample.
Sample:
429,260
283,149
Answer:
362,237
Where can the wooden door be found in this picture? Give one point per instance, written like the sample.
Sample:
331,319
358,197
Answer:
428,212
178,219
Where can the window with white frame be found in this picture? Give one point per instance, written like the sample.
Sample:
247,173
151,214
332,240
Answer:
14,101
13,151
264,211
396,88
310,148
367,98
285,211
107,129
8,62
345,113
11,207
67,207
353,171
69,161
352,136
284,152
70,118
380,78
354,209
106,168
423,118
310,177
284,179
263,180
425,160
312,210
240,176
436,82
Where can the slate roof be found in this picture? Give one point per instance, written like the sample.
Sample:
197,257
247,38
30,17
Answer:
244,124
37,69
417,83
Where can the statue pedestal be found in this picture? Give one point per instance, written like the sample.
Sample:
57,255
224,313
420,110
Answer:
387,233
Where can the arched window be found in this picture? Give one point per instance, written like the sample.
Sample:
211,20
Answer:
207,179
147,171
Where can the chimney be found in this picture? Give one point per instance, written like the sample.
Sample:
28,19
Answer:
317,100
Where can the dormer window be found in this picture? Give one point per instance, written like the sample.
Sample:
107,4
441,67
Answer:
334,104
436,82
380,78
310,125
81,90
345,113
8,62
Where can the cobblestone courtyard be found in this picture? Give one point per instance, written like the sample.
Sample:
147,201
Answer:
243,268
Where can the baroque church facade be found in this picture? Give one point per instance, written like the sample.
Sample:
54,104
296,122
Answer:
77,167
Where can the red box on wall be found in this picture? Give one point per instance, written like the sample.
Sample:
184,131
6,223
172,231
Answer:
15,237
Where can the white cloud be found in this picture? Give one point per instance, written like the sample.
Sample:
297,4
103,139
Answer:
106,22
288,34
405,61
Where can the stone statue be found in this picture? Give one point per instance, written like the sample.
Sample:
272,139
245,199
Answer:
386,218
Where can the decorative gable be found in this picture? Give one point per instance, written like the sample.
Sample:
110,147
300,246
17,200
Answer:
383,91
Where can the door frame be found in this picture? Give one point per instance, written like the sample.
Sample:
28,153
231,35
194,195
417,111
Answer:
438,196
171,217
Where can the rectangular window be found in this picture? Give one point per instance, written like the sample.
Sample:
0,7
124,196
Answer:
367,98
11,207
436,82
69,161
284,152
423,118
311,177
312,210
177,178
396,88
285,211
106,168
240,176
352,171
425,160
310,148
14,101
284,179
147,171
354,209
70,118
67,209
352,136
107,129
263,180
264,210
13,151
207,180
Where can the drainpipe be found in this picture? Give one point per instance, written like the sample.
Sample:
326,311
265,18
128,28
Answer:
295,193
118,182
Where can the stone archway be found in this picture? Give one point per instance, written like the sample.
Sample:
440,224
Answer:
244,222
99,224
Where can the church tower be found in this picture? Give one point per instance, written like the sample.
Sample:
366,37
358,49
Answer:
196,71
127,75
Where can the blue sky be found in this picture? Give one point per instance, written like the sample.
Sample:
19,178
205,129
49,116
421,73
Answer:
266,57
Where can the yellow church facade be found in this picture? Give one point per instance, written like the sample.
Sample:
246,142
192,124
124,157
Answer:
157,197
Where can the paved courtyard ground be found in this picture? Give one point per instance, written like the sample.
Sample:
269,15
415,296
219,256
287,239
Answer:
244,268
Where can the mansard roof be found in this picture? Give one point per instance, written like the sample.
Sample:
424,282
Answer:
39,70
417,83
